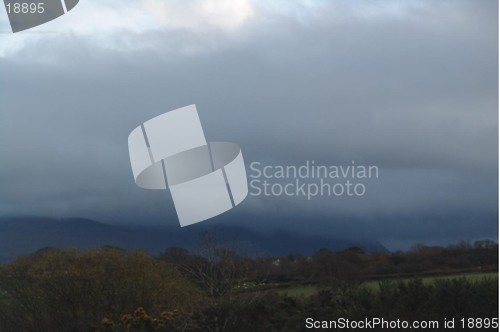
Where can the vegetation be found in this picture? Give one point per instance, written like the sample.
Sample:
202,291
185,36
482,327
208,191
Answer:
219,290
69,290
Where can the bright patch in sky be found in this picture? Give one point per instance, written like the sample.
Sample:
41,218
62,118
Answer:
223,14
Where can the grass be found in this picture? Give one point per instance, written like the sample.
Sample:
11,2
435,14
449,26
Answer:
309,290
299,291
472,277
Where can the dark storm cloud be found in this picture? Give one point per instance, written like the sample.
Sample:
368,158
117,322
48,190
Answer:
414,93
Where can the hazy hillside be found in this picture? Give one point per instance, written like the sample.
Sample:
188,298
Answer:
21,235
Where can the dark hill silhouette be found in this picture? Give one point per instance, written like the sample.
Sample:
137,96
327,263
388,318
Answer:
23,235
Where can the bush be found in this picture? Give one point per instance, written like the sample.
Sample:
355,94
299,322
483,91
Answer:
70,290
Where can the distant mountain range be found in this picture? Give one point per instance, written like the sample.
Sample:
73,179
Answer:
23,235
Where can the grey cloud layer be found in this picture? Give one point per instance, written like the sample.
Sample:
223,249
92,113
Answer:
414,93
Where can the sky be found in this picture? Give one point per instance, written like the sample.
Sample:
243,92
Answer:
408,86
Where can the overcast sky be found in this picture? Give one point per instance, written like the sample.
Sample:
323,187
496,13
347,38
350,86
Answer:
409,86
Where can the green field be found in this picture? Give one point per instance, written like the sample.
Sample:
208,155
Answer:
308,290
299,291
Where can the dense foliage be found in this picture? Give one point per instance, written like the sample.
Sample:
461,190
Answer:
218,290
69,290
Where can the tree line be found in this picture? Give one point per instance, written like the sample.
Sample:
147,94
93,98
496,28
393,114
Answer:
217,289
